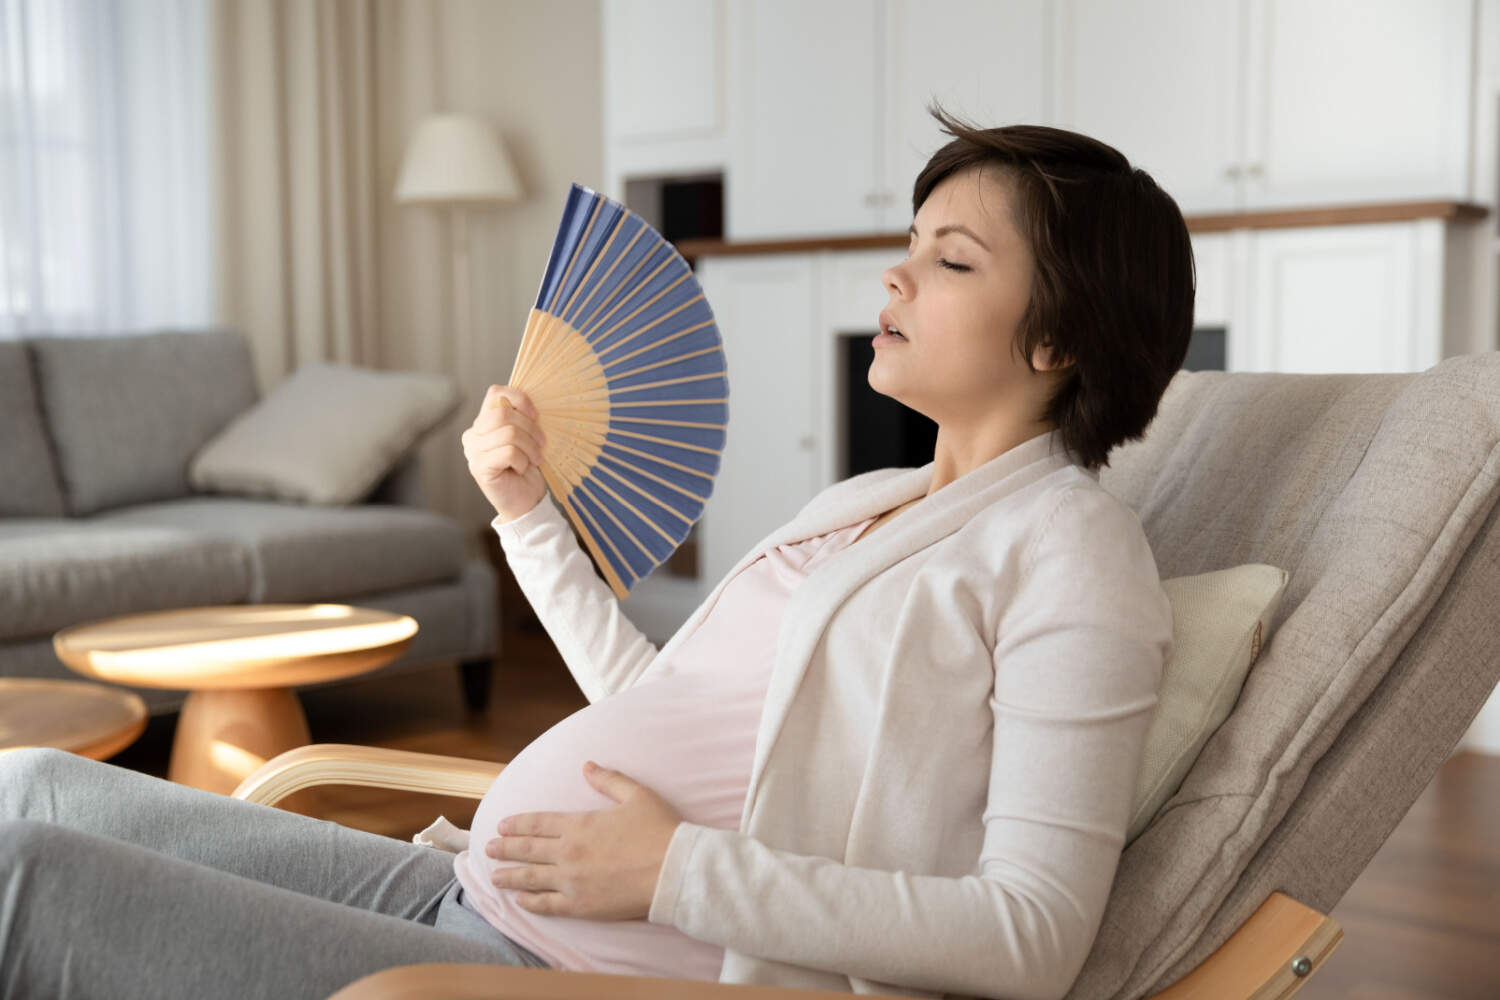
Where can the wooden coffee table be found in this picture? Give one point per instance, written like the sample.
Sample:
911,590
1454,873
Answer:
240,663
91,720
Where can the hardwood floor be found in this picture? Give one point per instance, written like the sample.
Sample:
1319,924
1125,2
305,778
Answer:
1421,923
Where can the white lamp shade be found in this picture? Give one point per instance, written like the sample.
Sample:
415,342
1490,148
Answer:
456,159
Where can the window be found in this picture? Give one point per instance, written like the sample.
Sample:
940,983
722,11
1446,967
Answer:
105,150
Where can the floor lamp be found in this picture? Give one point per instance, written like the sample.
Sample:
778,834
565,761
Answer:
459,163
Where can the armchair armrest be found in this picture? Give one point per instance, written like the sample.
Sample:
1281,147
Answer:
1271,955
1268,958
499,982
376,767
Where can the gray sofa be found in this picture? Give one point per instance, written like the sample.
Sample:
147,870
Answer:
97,517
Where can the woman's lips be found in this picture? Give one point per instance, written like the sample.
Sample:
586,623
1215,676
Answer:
887,338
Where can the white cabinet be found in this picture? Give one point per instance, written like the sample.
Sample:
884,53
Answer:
765,307
666,75
802,154
829,103
1343,299
1158,80
816,112
1353,298
988,63
1248,104
1364,103
1213,260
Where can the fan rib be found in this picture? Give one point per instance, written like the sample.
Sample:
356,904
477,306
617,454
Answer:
574,354
642,329
528,344
611,542
577,249
672,402
665,482
616,446
612,290
640,514
619,296
599,285
666,441
587,528
679,359
598,256
643,306
664,340
673,423
541,338
668,381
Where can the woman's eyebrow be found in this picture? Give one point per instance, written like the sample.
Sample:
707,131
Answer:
952,228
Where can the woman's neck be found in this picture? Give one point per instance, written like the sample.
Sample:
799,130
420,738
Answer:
960,452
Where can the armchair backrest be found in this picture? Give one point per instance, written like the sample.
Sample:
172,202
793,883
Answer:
1377,492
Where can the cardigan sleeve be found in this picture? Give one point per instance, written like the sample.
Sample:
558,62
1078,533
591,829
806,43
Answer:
1077,661
602,648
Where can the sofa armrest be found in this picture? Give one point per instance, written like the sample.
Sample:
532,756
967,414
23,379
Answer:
401,486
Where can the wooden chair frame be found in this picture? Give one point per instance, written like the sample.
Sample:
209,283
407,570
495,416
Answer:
1271,955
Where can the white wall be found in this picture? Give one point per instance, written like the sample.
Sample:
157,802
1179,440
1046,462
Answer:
533,69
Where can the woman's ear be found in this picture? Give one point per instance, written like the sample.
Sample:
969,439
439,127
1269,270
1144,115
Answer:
1044,361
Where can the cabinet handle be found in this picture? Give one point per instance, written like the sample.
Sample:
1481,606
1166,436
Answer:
1232,171
806,442
1254,170
872,199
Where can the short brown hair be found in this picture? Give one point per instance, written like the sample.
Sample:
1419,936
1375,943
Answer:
1114,280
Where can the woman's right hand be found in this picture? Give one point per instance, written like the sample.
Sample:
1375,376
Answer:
504,451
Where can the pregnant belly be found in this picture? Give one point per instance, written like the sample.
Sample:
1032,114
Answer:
688,737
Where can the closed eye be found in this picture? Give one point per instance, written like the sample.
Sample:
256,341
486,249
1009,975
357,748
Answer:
952,266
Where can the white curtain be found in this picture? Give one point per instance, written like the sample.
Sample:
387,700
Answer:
105,154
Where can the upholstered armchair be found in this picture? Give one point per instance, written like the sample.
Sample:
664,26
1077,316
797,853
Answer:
1377,493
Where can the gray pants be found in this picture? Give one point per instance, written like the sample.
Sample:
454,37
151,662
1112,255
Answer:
117,884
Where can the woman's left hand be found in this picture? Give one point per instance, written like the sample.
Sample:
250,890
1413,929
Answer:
601,864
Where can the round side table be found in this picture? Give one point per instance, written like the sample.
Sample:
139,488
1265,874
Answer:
91,720
239,662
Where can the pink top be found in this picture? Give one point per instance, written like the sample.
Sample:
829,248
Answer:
688,734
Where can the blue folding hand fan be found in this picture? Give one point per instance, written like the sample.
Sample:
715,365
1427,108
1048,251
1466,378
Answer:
624,362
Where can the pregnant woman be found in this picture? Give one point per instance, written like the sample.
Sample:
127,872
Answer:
894,750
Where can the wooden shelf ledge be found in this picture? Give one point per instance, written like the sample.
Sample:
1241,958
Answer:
1331,215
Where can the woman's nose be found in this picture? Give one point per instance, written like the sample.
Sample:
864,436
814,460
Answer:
895,281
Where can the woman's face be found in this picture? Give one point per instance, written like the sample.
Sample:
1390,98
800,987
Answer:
957,299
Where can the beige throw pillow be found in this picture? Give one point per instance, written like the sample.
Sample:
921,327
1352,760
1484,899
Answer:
1220,622
327,435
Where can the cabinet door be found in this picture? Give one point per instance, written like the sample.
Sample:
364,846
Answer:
851,294
802,151
1158,80
662,69
989,63
765,308
1362,298
1358,103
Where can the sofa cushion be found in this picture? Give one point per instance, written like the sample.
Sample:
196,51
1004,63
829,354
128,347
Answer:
56,572
306,553
128,411
327,434
29,487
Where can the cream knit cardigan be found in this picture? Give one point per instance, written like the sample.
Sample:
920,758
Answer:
945,762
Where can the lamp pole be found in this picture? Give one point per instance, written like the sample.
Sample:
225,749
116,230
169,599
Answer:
463,339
